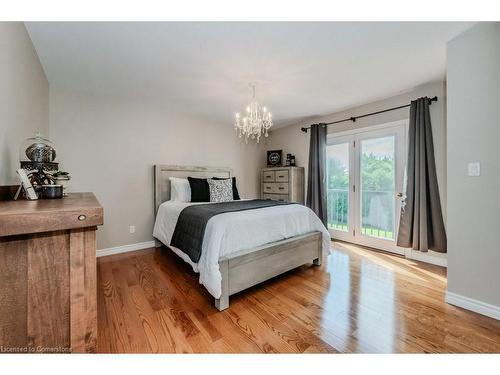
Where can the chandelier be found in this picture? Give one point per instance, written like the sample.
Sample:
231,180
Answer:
257,120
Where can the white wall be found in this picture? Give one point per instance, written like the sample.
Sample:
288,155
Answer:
110,144
24,97
292,140
474,135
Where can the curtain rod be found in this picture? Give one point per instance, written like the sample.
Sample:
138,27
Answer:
354,118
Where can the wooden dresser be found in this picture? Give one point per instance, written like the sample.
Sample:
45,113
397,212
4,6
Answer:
48,274
283,184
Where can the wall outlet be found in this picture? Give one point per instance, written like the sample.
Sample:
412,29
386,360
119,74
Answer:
474,169
132,229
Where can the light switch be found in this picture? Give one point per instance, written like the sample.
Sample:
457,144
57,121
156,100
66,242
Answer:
474,169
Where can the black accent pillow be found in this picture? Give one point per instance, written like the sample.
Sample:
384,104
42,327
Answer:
199,189
236,195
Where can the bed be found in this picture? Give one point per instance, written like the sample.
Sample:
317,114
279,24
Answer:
240,249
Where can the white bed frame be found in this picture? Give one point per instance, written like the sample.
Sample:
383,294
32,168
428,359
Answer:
244,269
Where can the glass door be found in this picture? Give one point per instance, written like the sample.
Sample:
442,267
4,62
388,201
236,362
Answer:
339,158
365,178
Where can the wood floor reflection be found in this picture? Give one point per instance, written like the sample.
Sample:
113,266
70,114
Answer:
358,301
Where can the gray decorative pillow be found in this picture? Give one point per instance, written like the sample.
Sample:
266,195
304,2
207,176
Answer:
220,190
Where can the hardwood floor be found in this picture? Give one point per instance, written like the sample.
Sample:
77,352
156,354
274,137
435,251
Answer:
358,301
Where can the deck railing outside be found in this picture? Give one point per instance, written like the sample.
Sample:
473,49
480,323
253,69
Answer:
377,212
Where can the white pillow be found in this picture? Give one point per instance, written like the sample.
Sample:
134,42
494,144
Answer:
220,190
180,191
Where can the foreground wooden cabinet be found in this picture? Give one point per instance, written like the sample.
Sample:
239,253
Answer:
48,274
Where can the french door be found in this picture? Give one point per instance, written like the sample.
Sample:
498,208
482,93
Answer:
365,173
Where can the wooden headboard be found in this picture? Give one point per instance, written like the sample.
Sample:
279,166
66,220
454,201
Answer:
163,172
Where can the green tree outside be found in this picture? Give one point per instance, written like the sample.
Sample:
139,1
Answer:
377,175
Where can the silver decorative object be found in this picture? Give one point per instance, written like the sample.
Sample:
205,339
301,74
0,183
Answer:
37,150
37,155
41,153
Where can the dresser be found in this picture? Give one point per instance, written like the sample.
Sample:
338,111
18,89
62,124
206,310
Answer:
48,286
283,184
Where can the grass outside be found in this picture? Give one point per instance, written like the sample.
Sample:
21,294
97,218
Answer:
367,231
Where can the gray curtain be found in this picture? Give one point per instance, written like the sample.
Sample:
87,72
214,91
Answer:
421,226
316,180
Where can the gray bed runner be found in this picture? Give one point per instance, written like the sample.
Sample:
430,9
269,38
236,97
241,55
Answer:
190,228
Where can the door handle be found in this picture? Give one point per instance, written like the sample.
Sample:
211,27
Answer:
400,195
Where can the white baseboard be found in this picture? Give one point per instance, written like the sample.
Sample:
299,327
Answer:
426,257
467,303
124,248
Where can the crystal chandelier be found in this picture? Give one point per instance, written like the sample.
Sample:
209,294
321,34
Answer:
256,121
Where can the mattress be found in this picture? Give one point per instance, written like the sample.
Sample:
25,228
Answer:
236,231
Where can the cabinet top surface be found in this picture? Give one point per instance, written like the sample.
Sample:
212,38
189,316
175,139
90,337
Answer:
282,167
73,202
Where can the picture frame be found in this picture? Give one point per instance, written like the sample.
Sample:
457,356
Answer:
274,158
26,185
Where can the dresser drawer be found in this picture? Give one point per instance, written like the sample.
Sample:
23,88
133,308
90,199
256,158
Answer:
276,187
268,176
281,176
281,187
276,197
269,187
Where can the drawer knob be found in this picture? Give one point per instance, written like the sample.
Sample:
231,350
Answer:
82,217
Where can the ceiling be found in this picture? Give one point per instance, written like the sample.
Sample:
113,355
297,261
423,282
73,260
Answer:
302,69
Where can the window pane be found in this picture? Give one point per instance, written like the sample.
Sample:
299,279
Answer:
338,186
377,187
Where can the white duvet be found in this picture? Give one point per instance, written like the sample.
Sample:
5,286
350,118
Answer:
235,231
